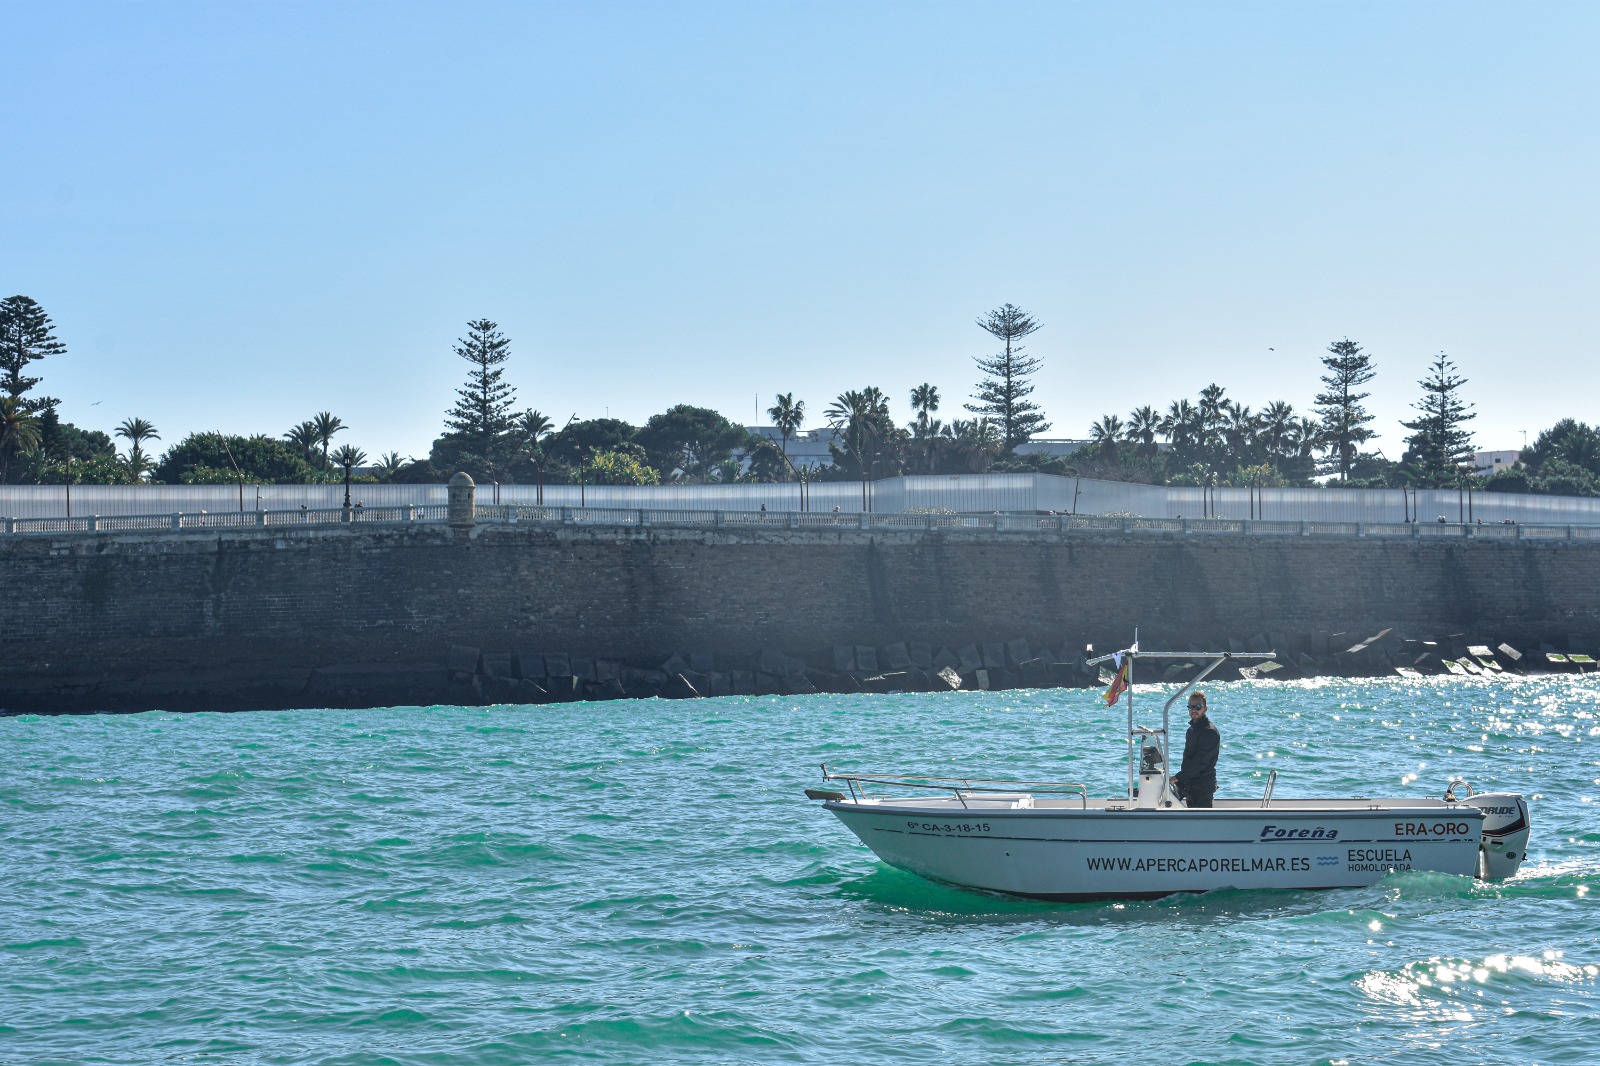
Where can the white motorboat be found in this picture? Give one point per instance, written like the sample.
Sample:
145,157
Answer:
1050,840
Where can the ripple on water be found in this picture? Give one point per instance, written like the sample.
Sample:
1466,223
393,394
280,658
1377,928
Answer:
505,885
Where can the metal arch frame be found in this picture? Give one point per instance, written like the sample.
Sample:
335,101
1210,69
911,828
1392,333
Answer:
1163,736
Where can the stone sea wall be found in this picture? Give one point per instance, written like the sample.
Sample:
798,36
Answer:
342,616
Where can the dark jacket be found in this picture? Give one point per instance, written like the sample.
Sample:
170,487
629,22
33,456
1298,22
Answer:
1200,748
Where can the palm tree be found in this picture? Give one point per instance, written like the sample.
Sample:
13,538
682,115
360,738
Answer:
533,425
325,426
1181,425
389,464
924,401
877,400
19,433
976,442
136,431
1277,427
1306,438
860,416
936,436
849,413
1143,425
1212,399
1239,427
348,456
788,415
1106,433
304,439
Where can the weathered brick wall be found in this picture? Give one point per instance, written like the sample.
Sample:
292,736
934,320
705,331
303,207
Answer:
242,617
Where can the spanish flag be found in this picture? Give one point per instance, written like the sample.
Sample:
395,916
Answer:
1119,684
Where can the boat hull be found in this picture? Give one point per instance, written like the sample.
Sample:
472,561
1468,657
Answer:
1096,854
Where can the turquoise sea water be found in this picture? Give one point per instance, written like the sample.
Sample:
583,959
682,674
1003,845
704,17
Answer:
643,882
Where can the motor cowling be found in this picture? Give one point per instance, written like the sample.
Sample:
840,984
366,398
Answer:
1506,826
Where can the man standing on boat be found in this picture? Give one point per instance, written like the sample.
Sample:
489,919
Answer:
1196,782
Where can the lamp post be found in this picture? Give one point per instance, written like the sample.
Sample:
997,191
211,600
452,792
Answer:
236,471
583,500
799,473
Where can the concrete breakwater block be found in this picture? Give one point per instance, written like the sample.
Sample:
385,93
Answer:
609,689
472,674
464,690
778,664
529,676
461,659
564,687
679,687
1035,673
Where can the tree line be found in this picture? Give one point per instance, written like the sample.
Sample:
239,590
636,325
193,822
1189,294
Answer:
1208,439
1214,440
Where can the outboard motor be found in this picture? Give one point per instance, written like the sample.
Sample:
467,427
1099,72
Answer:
1506,826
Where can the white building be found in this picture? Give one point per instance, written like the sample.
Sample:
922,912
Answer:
1494,462
807,449
1041,446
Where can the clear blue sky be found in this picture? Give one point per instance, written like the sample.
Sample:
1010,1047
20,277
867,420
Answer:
241,214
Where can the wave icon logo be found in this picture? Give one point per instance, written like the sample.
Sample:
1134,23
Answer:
1327,860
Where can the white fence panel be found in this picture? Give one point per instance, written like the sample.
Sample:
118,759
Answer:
964,494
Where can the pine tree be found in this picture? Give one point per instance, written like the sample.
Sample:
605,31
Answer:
1344,420
1439,446
25,336
1003,393
482,411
